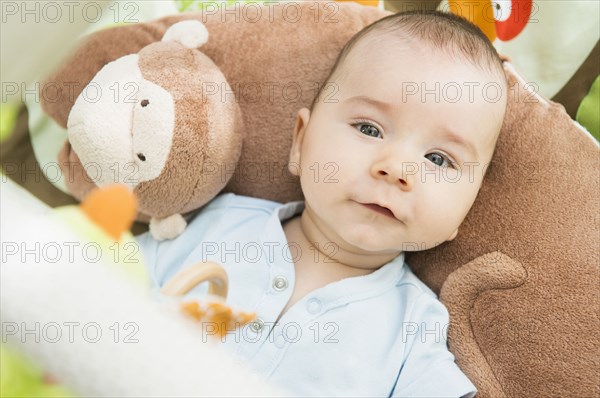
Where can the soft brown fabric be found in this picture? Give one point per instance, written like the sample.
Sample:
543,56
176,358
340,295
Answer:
62,87
539,206
78,182
492,271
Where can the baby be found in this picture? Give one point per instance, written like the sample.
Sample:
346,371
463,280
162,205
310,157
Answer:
390,156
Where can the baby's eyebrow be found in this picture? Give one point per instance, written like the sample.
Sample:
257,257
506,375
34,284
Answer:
451,136
384,106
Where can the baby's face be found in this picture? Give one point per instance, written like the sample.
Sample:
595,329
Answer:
394,159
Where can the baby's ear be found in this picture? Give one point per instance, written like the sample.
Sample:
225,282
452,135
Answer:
453,235
298,136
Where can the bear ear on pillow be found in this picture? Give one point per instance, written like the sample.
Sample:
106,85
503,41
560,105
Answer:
521,279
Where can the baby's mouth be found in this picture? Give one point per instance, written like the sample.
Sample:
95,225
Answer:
379,209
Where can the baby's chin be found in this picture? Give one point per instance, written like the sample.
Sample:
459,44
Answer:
377,242
366,243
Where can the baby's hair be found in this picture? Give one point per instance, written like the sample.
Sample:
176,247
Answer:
443,31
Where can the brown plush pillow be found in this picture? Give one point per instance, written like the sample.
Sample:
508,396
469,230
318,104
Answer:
524,309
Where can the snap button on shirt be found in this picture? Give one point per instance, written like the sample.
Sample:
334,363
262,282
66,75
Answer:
314,305
280,283
257,325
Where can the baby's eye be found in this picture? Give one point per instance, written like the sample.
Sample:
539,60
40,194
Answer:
439,159
368,129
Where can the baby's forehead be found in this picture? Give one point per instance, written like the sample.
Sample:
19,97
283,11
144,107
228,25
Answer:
374,49
409,69
389,50
390,47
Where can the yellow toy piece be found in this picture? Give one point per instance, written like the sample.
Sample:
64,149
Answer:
217,317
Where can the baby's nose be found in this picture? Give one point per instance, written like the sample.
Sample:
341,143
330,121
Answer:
402,181
394,173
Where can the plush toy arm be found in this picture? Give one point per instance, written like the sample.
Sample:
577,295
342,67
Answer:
62,87
459,293
167,228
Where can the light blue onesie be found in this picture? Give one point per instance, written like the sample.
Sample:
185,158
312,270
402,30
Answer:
379,335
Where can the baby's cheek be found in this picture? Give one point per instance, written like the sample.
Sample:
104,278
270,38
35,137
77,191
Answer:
452,175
